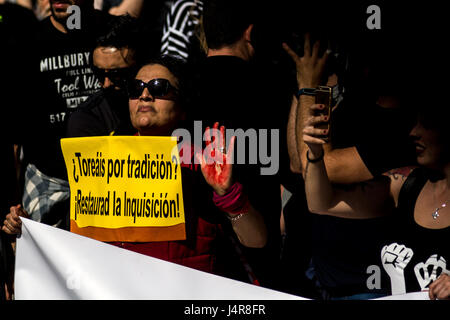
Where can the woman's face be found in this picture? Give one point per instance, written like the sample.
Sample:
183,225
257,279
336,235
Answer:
430,149
154,116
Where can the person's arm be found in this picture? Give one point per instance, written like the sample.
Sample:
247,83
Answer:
217,169
343,165
370,199
310,68
249,227
295,164
25,3
132,7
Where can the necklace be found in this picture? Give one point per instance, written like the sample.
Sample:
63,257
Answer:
435,213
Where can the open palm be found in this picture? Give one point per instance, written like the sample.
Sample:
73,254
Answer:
216,165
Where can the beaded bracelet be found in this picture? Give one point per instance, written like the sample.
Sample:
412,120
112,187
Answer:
235,217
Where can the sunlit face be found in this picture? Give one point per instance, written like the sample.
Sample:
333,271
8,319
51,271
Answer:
150,116
429,147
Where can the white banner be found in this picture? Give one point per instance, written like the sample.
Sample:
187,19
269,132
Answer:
421,295
55,264
58,265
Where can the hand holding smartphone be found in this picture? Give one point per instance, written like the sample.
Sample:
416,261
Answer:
323,96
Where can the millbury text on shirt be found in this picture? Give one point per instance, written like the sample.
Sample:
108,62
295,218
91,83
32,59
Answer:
65,61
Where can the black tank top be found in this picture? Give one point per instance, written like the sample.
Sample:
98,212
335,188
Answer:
427,250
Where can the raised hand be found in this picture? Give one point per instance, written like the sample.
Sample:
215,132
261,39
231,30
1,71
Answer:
216,165
311,66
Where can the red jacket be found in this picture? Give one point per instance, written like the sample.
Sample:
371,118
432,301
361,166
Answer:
196,252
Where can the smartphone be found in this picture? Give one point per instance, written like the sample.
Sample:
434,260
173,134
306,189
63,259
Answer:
324,96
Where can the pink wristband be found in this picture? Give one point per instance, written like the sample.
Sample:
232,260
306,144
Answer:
233,202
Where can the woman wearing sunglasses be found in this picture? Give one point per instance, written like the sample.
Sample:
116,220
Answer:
157,107
155,102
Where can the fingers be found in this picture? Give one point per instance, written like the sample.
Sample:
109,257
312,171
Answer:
440,288
9,229
18,211
322,60
290,52
314,121
315,50
313,135
307,46
307,49
319,114
14,212
12,223
207,137
444,292
315,132
221,141
215,151
218,135
432,289
317,107
215,136
23,212
230,151
210,143
328,51
309,140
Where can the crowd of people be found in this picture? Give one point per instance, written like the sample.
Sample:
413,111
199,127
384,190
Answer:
358,207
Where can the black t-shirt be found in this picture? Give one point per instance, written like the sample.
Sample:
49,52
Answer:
60,70
238,94
101,115
380,135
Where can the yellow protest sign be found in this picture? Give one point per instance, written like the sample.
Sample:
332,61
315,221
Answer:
125,188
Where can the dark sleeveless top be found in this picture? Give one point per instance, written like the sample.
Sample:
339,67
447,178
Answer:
430,248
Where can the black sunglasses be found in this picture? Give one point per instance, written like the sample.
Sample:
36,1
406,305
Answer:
118,75
158,88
